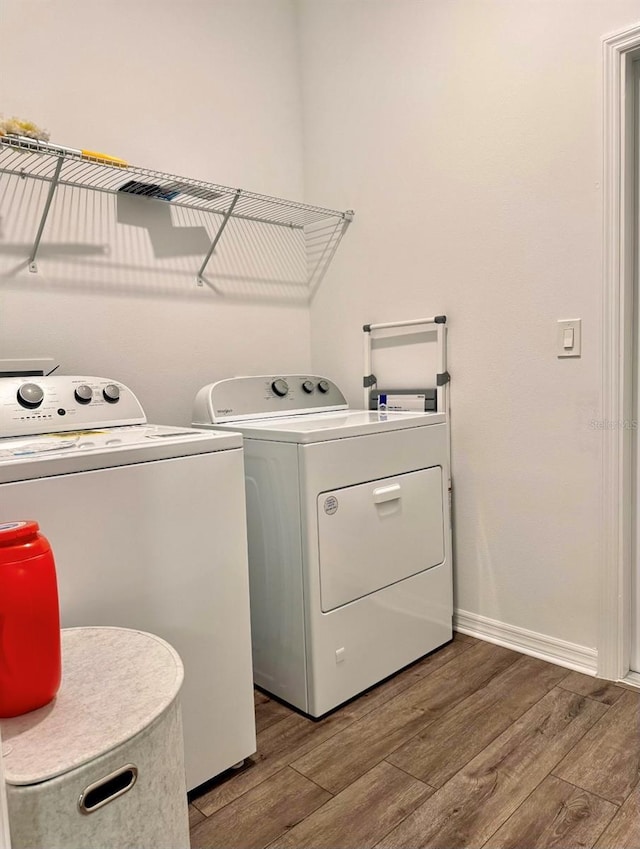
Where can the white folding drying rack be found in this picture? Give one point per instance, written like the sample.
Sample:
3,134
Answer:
443,377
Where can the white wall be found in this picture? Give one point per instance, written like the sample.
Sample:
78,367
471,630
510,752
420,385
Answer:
466,136
200,88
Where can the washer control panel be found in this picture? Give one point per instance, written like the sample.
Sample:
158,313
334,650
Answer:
62,403
241,398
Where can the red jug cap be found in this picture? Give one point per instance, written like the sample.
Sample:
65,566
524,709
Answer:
12,532
21,541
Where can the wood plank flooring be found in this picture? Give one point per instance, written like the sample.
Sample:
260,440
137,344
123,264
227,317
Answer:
473,746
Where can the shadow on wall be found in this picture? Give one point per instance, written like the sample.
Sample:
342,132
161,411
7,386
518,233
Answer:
98,241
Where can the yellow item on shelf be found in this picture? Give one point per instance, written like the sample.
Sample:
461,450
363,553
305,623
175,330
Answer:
104,157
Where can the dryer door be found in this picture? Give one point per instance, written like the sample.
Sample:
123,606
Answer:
374,534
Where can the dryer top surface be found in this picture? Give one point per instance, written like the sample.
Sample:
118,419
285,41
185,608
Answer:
299,408
322,427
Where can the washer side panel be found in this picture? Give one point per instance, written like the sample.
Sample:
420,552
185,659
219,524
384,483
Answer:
161,547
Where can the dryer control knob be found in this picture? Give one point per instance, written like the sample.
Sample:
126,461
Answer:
30,395
308,386
111,393
323,385
83,394
280,387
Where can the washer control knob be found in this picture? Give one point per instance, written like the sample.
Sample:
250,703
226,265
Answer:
83,394
308,386
111,393
324,386
30,395
280,387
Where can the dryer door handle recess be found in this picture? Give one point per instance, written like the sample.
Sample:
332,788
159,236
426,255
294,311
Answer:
387,493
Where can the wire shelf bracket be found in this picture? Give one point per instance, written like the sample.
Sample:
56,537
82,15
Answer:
201,278
33,268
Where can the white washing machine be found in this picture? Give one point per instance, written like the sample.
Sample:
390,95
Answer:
147,527
349,535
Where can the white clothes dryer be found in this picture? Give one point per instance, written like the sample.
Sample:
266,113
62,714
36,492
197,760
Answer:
147,527
349,534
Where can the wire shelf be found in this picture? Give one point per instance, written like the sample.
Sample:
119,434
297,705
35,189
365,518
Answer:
29,158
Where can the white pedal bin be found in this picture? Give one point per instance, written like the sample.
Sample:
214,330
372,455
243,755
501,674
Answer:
102,766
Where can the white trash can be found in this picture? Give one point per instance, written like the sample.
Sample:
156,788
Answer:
102,766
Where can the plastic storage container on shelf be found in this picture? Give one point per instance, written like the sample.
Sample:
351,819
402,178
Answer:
103,764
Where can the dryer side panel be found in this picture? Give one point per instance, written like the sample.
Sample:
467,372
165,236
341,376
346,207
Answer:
275,569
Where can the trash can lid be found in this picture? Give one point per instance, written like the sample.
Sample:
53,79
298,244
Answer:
115,682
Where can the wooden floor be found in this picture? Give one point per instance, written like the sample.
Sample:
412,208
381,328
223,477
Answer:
473,746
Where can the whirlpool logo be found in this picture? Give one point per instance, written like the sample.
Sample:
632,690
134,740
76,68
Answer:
330,505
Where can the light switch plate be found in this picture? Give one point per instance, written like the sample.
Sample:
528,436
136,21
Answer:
569,324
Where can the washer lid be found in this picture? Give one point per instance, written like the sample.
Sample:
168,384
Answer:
115,682
27,457
322,427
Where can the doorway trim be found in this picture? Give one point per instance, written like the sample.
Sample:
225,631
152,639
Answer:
614,638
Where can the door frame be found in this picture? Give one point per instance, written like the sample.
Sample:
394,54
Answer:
614,638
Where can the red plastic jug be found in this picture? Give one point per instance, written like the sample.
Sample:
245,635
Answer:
30,662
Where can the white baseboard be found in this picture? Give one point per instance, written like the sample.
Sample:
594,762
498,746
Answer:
632,679
571,655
